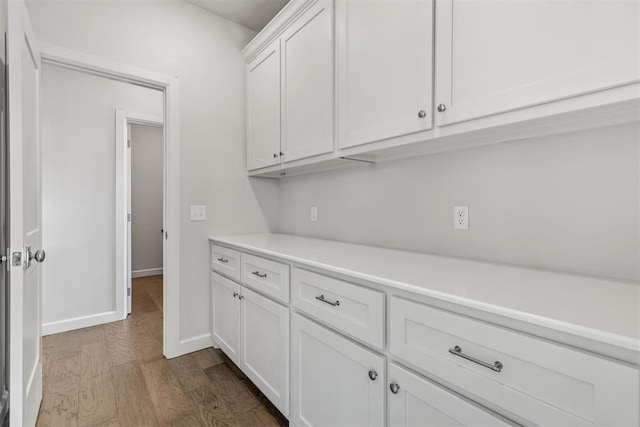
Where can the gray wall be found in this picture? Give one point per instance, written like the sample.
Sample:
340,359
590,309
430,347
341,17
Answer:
146,197
203,50
567,202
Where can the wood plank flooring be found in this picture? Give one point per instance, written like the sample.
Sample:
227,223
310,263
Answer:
116,375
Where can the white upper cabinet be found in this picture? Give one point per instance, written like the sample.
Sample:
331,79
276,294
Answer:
500,56
385,62
263,108
307,84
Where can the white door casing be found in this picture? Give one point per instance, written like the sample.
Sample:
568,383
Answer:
124,119
25,218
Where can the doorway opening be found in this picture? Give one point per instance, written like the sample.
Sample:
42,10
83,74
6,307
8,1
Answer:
145,200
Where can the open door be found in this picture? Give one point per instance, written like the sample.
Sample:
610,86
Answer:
25,224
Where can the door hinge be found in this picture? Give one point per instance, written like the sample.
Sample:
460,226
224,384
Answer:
128,217
128,292
128,142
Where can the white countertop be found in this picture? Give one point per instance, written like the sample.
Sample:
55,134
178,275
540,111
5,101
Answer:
607,311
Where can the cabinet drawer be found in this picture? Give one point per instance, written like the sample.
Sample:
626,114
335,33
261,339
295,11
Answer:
269,277
352,309
540,382
416,401
225,261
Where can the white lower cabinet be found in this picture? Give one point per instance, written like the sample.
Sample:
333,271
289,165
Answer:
226,315
415,401
265,347
253,331
335,382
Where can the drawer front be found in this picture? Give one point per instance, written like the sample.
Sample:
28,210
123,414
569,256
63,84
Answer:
539,382
225,261
352,309
415,401
266,276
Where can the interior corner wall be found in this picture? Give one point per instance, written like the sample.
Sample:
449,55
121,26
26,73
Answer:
566,202
147,146
78,193
203,50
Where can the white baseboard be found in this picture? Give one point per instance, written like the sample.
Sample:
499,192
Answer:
79,322
192,344
146,273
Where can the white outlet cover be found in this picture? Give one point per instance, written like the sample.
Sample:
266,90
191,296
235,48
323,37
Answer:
314,213
198,213
461,217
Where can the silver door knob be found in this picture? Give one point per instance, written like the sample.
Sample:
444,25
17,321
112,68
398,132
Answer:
442,108
373,375
394,388
422,114
40,255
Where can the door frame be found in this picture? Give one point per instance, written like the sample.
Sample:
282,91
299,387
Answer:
125,118
172,346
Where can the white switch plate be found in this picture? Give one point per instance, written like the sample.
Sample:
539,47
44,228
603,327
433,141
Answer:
314,213
461,217
198,213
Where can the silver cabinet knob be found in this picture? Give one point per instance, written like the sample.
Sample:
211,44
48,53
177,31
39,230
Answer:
235,294
442,108
40,255
422,114
394,388
240,297
373,375
275,155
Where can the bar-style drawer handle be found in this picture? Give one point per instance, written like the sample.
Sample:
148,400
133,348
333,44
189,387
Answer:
257,273
223,260
321,298
457,351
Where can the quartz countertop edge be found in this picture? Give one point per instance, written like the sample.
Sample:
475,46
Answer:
474,284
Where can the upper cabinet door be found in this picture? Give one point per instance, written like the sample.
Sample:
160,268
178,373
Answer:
385,63
307,90
499,56
263,108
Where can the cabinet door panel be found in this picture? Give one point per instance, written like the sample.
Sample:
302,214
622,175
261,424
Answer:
330,379
498,56
420,402
307,90
265,359
385,51
263,108
226,315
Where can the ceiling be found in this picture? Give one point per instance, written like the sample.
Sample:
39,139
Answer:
253,14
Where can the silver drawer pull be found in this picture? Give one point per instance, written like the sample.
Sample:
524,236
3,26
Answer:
457,351
223,260
321,298
257,273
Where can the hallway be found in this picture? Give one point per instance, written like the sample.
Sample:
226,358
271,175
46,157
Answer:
116,375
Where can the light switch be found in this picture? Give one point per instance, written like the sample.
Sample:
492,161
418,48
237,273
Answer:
198,213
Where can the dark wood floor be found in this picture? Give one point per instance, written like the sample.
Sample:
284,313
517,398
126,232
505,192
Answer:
116,375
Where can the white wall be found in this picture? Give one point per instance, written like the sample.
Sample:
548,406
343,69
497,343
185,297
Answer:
202,49
146,198
567,202
78,192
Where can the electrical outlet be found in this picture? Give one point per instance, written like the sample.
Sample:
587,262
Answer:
461,217
198,213
314,213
